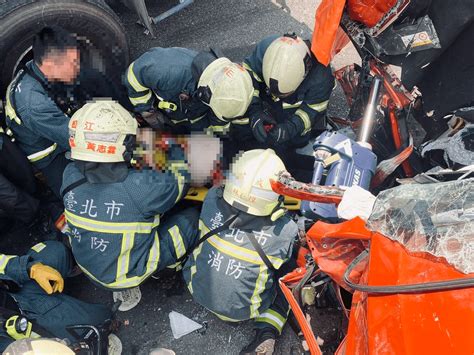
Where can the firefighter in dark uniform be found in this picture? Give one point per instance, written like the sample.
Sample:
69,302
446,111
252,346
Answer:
117,232
44,94
234,271
294,90
181,90
34,283
288,109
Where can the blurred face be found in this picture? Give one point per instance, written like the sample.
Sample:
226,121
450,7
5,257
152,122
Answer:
62,66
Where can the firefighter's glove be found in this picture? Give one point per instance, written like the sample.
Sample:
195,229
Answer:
49,279
261,123
284,132
155,119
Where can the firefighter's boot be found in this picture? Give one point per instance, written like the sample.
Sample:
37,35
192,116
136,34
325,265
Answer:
262,344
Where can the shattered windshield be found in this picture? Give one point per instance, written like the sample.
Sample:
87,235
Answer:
434,218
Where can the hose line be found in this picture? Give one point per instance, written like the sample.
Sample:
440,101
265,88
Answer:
407,288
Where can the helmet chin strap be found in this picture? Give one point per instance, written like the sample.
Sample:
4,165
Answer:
278,210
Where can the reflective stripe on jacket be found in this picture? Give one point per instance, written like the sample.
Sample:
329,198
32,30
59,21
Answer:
39,126
225,274
114,228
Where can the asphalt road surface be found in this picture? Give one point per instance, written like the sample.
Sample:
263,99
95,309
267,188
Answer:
233,26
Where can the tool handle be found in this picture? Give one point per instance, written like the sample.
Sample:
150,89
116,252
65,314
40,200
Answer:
369,114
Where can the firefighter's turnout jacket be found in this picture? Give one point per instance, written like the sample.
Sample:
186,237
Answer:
117,235
162,79
225,273
307,105
38,124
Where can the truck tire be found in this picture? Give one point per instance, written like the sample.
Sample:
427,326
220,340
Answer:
103,40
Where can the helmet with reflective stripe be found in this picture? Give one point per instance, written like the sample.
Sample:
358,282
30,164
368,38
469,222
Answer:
102,131
286,63
227,88
248,185
35,346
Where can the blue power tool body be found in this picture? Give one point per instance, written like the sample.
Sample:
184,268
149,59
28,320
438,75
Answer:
340,161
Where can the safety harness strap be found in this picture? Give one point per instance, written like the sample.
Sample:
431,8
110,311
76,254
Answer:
208,235
260,251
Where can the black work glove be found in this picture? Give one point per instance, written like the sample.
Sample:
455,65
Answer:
259,124
155,119
284,132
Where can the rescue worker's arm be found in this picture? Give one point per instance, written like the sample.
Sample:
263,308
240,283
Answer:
160,191
259,120
20,269
312,110
137,80
44,117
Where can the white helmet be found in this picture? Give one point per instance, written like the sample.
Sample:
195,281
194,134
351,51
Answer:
227,88
286,63
248,186
38,346
102,131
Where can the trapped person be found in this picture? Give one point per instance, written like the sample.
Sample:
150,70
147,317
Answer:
118,234
182,90
246,242
33,284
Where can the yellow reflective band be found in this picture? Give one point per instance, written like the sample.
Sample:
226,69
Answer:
288,106
193,269
175,168
273,318
152,266
306,120
38,247
227,319
256,93
4,262
123,260
178,241
42,154
154,256
127,283
111,227
140,100
242,121
256,300
9,110
320,107
133,81
241,253
202,228
218,128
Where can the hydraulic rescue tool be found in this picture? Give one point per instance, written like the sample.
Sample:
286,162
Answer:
342,162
